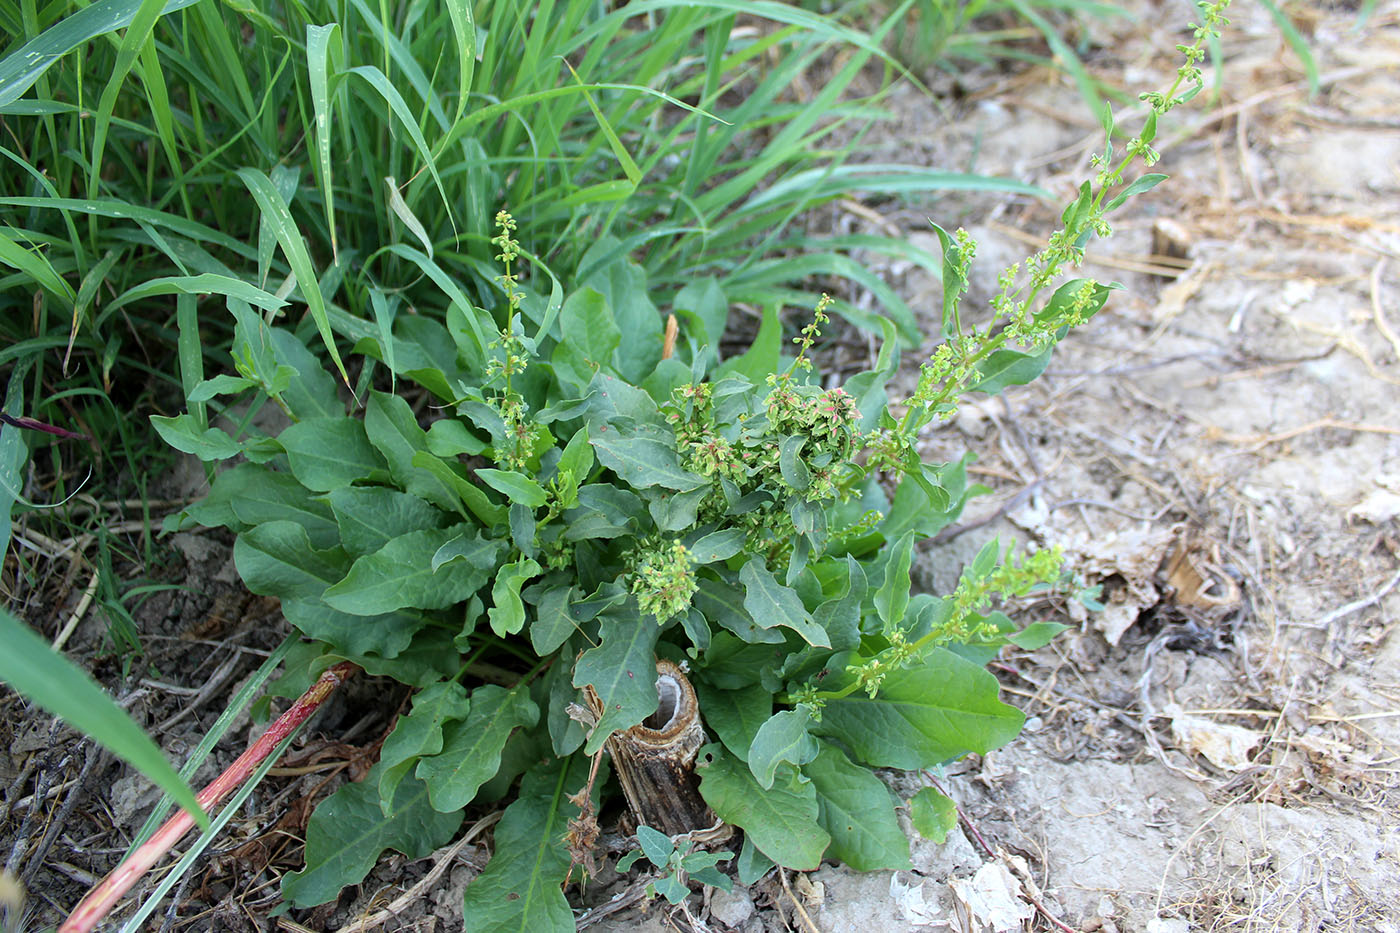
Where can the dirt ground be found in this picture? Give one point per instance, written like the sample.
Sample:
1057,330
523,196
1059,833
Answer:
1220,448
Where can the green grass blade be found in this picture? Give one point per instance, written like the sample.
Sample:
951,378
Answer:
27,64
137,35
274,209
207,283
322,56
60,687
464,33
121,210
35,265
13,454
1296,42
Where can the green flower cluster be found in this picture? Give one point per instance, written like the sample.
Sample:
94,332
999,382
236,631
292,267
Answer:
663,580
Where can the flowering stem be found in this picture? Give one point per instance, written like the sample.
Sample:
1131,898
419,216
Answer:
102,898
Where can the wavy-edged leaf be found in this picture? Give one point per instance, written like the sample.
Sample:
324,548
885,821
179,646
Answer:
856,809
783,738
386,635
471,749
643,462
187,435
782,821
517,487
892,598
923,716
519,891
277,559
369,516
622,671
507,615
328,453
349,830
771,603
401,574
419,734
840,614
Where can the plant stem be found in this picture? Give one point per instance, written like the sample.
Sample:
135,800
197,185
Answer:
102,898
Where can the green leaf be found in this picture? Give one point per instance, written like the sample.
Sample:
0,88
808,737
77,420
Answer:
471,751
449,438
274,211
394,431
676,511
13,455
517,487
643,462
782,738
277,559
27,64
840,615
507,615
770,603
782,821
722,604
553,622
1138,186
368,517
47,678
762,357
718,545
892,598
735,715
386,635
924,716
656,845
187,435
577,458
401,574
222,384
419,734
933,814
475,550
752,864
856,809
348,831
261,495
1004,368
520,890
329,453
587,323
790,464
1036,635
622,671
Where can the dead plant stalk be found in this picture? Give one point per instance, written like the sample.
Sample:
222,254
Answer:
102,898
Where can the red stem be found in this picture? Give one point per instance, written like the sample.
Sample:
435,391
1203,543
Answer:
102,898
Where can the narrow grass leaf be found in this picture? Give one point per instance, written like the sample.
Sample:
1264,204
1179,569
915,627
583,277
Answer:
323,54
60,687
27,64
274,210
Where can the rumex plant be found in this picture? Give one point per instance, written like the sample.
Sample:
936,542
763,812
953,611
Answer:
502,507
